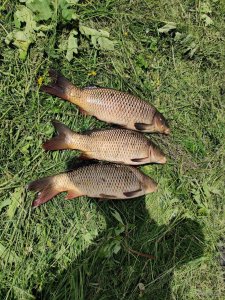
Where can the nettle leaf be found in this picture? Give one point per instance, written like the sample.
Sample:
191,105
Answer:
105,43
69,14
24,14
22,40
72,45
167,27
88,31
41,8
62,3
99,38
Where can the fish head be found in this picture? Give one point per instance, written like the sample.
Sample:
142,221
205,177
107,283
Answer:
156,155
149,184
160,124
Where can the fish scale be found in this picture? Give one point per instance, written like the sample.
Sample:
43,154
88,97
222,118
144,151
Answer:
109,105
107,178
109,181
115,145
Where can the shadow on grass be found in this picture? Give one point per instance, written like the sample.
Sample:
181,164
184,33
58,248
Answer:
101,274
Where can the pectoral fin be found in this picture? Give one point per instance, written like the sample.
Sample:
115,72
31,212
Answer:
143,159
141,126
132,194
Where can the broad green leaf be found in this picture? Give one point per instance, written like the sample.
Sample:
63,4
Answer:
88,31
22,40
41,8
72,45
16,199
105,43
63,3
43,27
69,14
72,2
99,38
24,14
168,27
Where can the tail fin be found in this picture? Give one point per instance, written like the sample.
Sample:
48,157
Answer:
60,86
46,190
62,140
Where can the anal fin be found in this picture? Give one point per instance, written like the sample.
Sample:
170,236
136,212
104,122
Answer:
107,196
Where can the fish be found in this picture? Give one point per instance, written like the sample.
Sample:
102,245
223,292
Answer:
114,145
109,105
104,181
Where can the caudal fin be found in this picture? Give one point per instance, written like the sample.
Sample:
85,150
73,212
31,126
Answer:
60,86
62,140
45,188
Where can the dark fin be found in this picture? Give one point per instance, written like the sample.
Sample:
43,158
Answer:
45,188
60,141
132,194
72,194
54,90
141,126
107,196
85,155
139,159
59,85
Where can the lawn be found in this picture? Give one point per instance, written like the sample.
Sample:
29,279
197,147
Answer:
171,53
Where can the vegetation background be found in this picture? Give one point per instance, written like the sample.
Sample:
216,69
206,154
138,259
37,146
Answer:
170,53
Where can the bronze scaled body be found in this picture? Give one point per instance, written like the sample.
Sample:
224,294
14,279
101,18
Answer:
114,145
108,181
110,105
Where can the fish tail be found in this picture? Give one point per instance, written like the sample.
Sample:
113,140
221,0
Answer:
46,189
60,86
62,141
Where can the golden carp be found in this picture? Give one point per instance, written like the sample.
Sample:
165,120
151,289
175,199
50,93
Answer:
109,181
114,145
109,105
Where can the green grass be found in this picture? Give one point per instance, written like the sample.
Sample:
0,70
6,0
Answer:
80,249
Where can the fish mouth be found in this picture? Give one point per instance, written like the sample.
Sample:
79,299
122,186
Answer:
163,160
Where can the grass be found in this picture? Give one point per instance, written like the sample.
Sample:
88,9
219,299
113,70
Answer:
81,249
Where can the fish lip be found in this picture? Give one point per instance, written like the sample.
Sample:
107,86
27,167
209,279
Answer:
163,160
